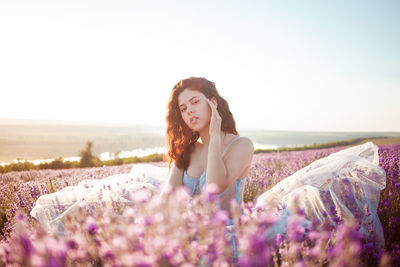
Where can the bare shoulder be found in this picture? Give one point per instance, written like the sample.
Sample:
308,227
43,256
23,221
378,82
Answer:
238,161
244,144
245,141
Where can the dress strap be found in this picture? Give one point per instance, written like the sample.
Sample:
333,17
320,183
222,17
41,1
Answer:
233,140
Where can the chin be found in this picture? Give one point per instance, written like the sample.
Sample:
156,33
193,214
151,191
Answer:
199,127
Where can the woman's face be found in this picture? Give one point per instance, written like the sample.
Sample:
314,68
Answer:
195,110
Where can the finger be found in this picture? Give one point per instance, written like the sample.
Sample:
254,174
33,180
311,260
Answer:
214,111
212,105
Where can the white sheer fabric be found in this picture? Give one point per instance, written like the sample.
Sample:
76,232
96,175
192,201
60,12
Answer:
346,180
52,208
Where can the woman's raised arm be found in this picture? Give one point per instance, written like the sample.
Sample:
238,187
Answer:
225,172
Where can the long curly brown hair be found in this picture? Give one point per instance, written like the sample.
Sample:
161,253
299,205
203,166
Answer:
180,138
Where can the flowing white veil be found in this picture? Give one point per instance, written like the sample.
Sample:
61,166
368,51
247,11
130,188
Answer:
51,209
343,182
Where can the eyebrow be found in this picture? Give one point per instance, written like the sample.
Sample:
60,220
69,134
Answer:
189,100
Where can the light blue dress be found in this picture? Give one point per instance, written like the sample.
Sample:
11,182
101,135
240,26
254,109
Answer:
196,185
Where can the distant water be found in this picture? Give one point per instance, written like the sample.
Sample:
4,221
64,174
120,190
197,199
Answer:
141,152
297,138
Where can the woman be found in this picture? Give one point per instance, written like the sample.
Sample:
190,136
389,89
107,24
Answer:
203,144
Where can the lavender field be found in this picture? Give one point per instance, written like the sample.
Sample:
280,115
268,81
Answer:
175,231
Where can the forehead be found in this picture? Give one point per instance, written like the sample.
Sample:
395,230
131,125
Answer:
187,94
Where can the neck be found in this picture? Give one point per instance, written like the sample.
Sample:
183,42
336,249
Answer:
205,136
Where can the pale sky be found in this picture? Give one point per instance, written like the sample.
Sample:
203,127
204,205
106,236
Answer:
282,65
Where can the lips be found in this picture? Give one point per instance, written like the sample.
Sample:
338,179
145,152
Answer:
193,119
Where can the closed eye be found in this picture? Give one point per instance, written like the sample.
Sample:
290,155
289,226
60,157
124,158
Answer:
193,101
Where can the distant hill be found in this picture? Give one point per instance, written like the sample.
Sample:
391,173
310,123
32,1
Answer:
49,139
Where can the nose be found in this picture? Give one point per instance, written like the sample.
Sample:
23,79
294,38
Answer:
189,110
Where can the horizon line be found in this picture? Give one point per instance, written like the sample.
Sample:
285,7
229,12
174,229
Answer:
107,123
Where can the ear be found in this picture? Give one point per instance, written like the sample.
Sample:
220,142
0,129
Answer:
214,100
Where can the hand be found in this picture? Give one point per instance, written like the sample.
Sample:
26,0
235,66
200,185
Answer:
215,121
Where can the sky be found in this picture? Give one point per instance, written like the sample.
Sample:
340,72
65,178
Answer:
281,65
